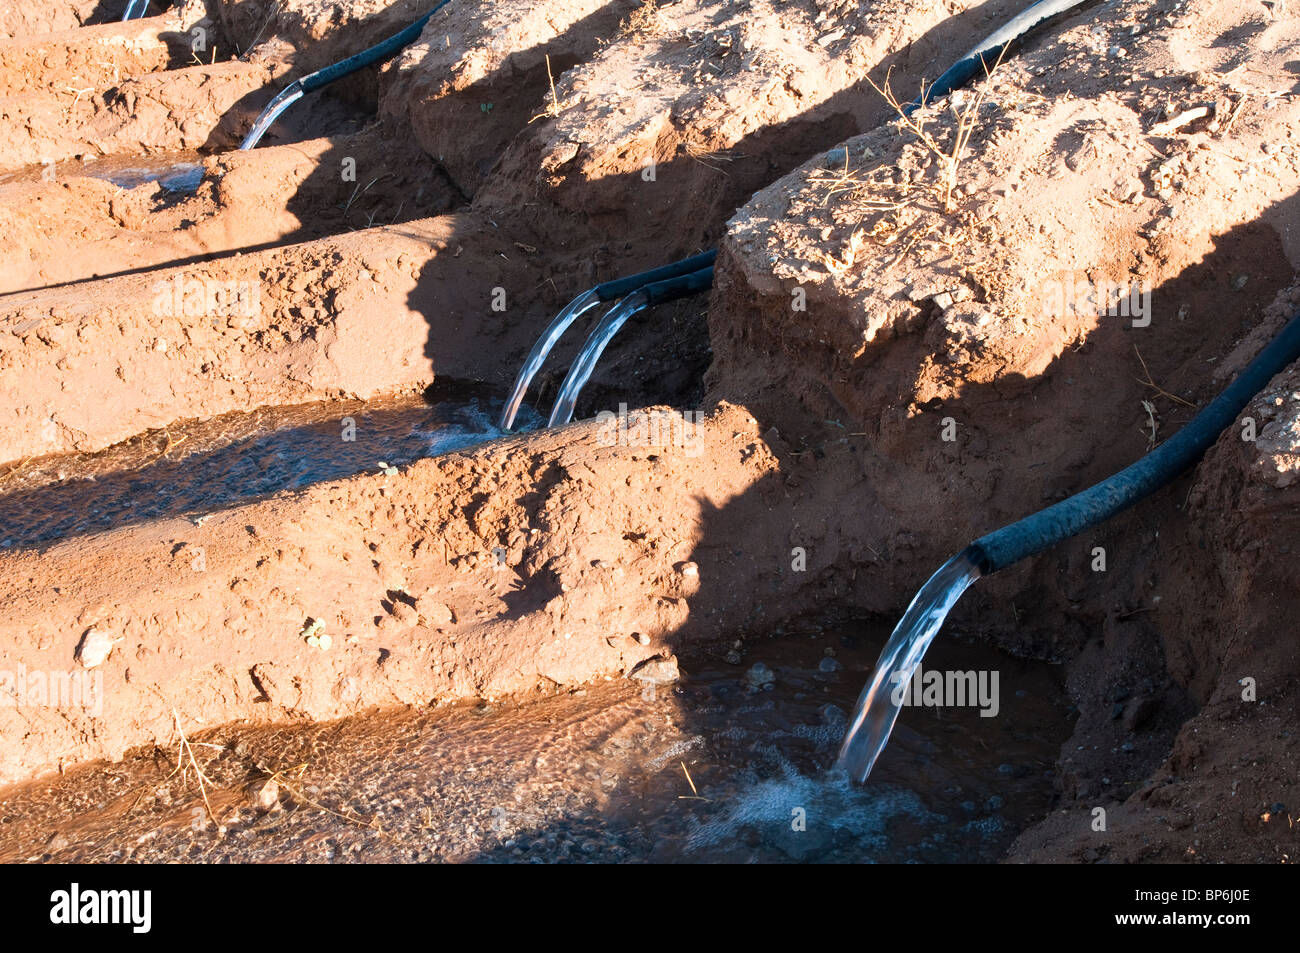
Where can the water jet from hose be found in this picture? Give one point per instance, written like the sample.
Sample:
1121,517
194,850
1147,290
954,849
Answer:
646,296
322,77
601,294
878,705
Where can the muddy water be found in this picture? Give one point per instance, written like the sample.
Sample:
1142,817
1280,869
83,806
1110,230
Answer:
176,172
196,468
714,768
179,176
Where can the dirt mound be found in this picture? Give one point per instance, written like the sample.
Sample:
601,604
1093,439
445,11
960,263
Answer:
28,18
200,106
174,209
409,586
711,101
278,326
893,293
919,330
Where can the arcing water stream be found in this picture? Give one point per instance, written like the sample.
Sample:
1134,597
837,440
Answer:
537,356
879,704
278,104
877,708
592,348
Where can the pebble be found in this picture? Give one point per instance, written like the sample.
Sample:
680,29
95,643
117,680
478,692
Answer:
435,613
759,677
832,714
264,796
657,671
94,648
829,664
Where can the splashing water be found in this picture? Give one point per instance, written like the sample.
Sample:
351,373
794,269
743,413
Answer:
282,101
537,356
841,810
594,346
130,9
878,705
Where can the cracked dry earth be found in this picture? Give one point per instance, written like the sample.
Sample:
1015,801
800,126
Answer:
253,499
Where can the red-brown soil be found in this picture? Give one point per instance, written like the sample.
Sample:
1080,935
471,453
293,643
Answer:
863,305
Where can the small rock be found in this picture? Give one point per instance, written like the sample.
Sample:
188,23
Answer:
657,671
641,638
435,613
689,569
829,664
994,803
311,632
759,677
264,796
94,648
733,657
832,714
56,842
